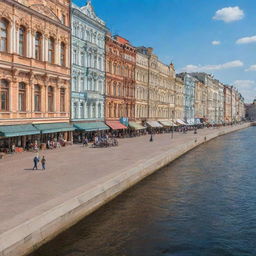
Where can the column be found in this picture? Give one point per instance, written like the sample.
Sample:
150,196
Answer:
96,109
29,44
45,48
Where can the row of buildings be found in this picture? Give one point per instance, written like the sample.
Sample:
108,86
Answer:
62,71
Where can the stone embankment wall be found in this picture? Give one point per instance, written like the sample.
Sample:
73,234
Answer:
28,236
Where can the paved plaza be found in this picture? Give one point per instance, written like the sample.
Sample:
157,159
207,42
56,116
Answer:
25,193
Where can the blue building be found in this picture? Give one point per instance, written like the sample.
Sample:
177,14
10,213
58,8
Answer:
189,97
88,69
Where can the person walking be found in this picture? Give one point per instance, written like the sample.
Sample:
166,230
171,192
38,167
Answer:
43,162
35,160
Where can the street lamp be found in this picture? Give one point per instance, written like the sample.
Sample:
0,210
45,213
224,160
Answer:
172,123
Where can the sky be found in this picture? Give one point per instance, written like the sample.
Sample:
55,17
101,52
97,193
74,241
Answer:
213,36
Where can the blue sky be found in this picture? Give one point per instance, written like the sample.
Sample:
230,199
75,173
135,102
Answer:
184,31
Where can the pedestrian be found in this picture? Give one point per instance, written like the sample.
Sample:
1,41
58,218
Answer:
151,138
43,162
35,160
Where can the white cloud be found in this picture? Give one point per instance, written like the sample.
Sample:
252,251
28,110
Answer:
229,14
244,83
251,68
247,88
216,42
246,40
206,68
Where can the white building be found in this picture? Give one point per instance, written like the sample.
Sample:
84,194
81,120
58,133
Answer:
88,66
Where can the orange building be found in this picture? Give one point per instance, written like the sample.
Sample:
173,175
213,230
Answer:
120,82
34,71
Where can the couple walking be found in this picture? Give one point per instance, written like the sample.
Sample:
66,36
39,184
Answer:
36,160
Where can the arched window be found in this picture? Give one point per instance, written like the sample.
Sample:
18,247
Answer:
22,41
37,98
82,87
4,94
100,87
22,96
38,46
3,35
51,50
89,110
62,54
50,99
99,63
62,99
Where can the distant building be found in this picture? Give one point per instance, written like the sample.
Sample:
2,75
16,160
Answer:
251,111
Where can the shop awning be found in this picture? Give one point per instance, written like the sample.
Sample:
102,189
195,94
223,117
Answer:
180,122
136,126
17,130
92,126
165,123
54,127
115,125
154,124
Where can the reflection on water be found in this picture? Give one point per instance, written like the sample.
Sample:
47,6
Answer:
202,204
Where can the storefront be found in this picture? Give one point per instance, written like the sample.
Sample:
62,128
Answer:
168,125
117,129
136,129
16,137
89,130
53,133
154,127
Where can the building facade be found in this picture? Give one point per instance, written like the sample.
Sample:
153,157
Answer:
227,104
120,79
189,97
141,87
179,98
161,86
88,67
200,101
34,69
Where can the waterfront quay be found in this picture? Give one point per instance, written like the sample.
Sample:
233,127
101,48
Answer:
38,205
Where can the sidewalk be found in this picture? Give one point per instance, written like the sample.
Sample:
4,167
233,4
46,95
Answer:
25,193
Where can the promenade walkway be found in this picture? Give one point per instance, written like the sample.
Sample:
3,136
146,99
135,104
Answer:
25,193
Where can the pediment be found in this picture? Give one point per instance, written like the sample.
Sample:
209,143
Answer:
89,11
43,9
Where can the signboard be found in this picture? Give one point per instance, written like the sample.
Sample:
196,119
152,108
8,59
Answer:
124,120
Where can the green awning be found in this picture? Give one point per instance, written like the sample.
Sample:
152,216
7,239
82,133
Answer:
91,126
54,127
17,130
136,126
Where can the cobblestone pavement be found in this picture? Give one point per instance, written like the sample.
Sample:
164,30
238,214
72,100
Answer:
25,193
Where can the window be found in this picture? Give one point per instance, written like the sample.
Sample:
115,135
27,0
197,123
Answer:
50,99
38,46
3,35
99,110
82,110
37,98
82,59
22,42
82,89
22,97
62,99
75,56
51,50
4,94
94,110
75,110
62,54
63,19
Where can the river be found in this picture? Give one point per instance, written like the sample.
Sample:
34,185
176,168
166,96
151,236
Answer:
204,203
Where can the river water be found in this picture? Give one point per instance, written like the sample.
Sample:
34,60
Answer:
204,203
